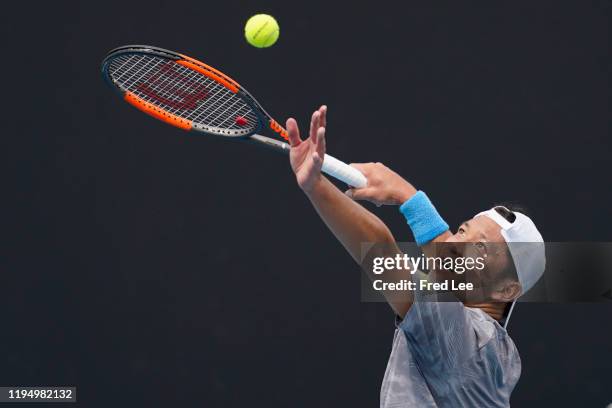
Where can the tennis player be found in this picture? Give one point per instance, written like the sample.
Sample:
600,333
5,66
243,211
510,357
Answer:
445,353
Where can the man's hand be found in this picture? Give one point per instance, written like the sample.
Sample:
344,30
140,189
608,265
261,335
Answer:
384,185
306,156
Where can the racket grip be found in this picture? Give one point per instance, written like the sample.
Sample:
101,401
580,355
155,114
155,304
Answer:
343,172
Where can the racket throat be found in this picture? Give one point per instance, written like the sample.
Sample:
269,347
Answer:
276,127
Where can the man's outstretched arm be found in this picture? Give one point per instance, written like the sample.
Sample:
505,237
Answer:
349,221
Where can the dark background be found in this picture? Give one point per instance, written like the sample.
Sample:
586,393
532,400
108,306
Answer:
149,267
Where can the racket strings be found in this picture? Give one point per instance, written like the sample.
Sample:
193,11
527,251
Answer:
181,91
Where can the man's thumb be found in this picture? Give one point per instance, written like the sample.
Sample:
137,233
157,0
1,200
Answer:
358,193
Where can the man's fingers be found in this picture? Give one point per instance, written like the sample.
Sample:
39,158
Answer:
317,161
314,126
360,194
323,117
362,167
294,132
320,146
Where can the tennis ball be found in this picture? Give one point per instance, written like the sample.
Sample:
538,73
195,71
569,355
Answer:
261,30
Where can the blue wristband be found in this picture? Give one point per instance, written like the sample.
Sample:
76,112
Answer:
423,218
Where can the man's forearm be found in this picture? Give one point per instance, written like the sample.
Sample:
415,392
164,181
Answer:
350,222
387,187
353,225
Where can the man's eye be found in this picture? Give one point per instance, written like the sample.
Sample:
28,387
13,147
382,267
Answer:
461,230
480,245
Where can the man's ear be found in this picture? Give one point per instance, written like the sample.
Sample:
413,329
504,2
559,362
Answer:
507,291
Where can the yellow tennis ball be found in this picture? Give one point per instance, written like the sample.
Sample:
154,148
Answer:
261,30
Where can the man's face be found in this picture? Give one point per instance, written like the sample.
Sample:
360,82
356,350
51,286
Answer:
481,238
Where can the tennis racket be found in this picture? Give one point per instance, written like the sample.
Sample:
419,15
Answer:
195,97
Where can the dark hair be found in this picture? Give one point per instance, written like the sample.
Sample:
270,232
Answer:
512,206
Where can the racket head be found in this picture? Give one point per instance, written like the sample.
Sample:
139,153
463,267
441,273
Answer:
185,92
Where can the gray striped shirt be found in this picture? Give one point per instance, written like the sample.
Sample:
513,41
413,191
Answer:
447,355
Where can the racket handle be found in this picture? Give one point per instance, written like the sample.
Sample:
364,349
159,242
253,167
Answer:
331,165
343,172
